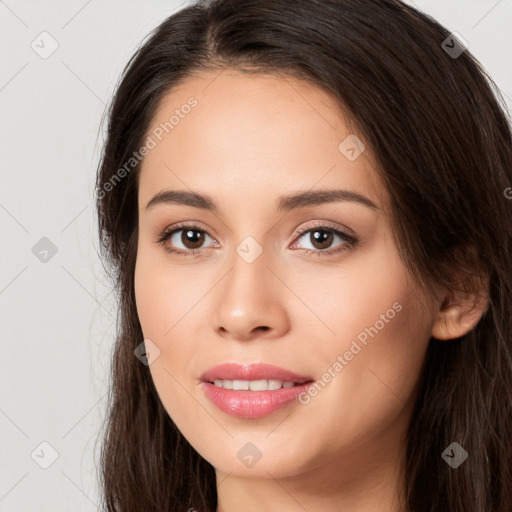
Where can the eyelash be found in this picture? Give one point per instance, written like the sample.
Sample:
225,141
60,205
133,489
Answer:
350,240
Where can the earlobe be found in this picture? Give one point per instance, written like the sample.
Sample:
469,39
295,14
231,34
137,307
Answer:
459,313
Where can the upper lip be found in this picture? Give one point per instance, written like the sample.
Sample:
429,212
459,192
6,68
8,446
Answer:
253,371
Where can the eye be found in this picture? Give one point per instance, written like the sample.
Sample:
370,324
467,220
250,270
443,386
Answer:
321,237
190,236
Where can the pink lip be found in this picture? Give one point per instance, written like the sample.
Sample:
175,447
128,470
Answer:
255,371
252,404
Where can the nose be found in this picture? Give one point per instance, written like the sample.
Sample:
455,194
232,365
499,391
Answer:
250,301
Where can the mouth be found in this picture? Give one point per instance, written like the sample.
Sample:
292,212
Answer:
255,385
252,391
252,373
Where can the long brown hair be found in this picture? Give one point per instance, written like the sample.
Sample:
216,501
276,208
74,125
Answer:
438,127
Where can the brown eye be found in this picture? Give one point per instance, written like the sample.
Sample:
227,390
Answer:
321,238
183,239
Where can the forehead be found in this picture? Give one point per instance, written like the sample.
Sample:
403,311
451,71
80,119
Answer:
255,134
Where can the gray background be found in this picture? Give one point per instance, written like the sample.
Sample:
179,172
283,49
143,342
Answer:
57,309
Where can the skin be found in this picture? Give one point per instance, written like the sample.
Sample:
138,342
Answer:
249,140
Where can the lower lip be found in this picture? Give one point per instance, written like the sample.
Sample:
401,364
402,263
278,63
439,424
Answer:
251,404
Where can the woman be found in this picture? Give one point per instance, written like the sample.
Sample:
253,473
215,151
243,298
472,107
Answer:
305,207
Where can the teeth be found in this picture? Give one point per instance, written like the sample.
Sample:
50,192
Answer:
258,385
254,385
239,385
274,384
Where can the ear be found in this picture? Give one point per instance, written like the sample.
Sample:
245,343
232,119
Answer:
459,313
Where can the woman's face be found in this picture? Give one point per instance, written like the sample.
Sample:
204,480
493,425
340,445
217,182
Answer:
313,285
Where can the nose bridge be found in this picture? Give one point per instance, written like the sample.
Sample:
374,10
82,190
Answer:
251,250
249,263
255,256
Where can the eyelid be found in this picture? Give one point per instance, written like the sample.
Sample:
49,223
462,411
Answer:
324,224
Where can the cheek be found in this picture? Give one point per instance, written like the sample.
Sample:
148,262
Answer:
376,365
370,362
161,303
165,296
169,309
369,297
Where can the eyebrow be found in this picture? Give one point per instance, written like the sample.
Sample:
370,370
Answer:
284,203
